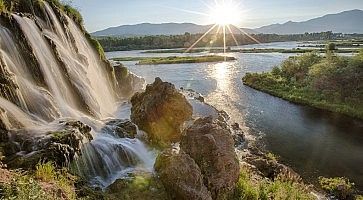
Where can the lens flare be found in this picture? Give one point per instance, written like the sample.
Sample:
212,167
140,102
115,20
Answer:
225,13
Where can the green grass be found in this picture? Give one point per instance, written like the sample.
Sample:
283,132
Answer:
250,188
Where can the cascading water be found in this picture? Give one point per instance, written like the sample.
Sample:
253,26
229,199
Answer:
76,86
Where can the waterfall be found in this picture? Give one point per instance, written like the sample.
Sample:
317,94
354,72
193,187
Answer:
76,86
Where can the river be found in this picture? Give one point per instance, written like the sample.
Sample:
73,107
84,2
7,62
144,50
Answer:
313,142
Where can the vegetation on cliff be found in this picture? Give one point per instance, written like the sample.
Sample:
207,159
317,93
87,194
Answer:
330,82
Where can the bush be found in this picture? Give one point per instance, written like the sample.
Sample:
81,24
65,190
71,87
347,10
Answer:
340,187
331,46
45,172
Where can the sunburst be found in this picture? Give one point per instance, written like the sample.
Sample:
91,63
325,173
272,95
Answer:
225,14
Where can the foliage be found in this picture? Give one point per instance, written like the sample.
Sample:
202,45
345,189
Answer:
45,183
272,156
331,46
250,188
332,82
45,172
97,46
339,187
23,187
2,6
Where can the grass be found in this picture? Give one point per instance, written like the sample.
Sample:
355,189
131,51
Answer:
250,188
46,182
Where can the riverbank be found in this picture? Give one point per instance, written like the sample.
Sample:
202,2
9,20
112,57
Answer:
174,59
330,83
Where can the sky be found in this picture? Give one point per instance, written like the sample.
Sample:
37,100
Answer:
101,14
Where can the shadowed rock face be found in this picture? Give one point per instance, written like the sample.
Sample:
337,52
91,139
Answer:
181,176
211,145
160,111
61,147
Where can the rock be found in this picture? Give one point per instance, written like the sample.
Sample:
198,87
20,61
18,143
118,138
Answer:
211,145
270,168
121,128
181,176
127,83
160,111
61,146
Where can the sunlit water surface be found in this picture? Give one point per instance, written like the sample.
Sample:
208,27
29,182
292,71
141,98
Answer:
313,142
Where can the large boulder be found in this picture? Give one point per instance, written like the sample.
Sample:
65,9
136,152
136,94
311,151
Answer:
210,143
161,111
181,176
60,147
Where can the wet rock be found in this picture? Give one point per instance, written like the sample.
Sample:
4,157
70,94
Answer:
137,186
61,146
161,111
127,83
121,128
181,176
211,145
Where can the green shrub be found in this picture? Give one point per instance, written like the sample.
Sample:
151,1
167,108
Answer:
45,172
339,187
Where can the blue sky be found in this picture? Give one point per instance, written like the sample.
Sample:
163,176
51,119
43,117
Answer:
101,14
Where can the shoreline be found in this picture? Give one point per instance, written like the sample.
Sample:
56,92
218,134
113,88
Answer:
324,106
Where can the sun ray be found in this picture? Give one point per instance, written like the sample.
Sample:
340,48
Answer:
206,33
248,35
232,34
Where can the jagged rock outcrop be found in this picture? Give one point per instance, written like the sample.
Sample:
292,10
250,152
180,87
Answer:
269,167
121,128
160,111
181,176
60,147
211,145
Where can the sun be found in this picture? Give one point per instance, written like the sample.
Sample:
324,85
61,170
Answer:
225,13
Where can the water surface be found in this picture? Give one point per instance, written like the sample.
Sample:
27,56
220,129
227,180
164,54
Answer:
311,141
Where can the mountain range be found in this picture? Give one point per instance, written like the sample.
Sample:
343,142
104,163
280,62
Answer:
344,22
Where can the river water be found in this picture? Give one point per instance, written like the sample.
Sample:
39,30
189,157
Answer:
313,142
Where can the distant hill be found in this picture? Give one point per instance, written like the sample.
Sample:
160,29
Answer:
344,22
158,29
